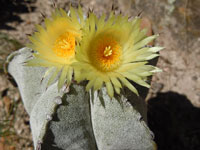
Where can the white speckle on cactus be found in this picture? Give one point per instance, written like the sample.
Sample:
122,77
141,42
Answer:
152,134
67,89
63,88
49,117
58,100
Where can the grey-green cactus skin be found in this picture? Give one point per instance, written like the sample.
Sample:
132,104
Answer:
76,119
119,125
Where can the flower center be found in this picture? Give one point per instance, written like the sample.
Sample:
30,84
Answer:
64,45
106,53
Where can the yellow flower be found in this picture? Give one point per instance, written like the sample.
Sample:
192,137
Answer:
113,53
55,44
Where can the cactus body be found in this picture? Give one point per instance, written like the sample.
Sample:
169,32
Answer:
77,120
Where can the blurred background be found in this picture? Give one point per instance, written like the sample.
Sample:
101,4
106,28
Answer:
174,97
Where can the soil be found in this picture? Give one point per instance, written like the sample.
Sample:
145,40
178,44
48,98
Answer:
174,97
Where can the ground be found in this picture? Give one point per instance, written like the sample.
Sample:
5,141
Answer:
174,97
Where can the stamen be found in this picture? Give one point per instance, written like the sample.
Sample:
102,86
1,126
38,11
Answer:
108,51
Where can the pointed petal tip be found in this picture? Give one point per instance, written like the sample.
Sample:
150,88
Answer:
156,69
156,49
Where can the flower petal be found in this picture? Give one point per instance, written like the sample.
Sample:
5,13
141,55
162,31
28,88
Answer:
129,85
62,78
109,88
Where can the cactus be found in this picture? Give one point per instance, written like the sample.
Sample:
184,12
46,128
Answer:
75,119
